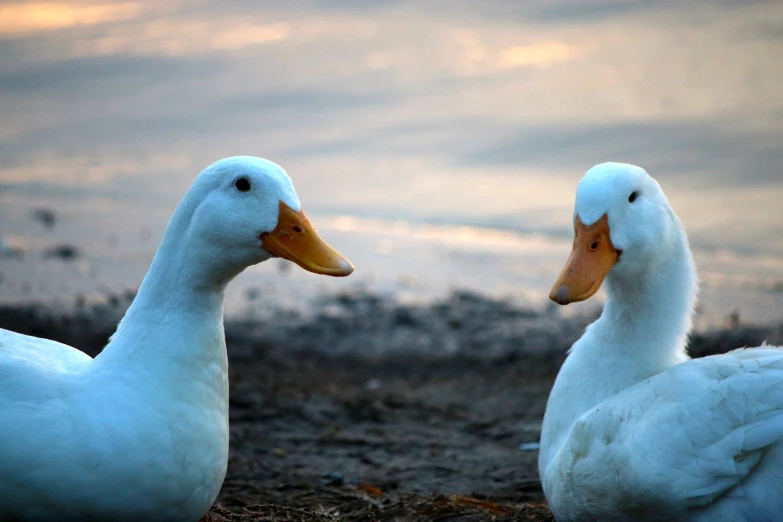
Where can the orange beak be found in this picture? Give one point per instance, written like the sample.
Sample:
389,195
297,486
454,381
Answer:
592,256
295,239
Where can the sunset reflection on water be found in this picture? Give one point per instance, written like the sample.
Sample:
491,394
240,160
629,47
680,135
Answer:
438,144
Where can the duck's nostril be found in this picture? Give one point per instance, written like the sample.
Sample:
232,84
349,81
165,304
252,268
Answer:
594,245
297,229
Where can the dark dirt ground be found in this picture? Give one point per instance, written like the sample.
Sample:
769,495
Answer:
368,410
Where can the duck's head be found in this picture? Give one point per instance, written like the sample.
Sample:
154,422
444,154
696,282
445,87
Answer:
244,210
622,224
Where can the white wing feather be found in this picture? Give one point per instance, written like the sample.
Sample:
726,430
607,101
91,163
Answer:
680,439
31,368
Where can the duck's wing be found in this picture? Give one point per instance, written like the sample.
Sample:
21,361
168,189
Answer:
30,367
682,438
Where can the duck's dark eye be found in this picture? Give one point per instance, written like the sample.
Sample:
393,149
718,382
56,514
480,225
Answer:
632,197
242,184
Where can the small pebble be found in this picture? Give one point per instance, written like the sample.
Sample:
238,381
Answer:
64,252
45,216
332,479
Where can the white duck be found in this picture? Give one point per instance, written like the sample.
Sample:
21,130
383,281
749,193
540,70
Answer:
634,430
141,431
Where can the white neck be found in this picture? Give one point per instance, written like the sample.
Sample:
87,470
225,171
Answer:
173,330
641,332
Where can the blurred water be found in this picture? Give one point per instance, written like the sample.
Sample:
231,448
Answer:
437,144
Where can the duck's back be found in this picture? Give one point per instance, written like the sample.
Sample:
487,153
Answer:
23,358
37,379
702,441
76,444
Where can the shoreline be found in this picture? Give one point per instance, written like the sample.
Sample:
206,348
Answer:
369,324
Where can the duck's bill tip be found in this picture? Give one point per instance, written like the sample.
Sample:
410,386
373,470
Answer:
560,295
338,268
346,268
563,295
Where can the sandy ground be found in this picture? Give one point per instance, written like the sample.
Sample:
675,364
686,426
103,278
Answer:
368,410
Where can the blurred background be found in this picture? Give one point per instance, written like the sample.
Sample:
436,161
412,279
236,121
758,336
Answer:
436,144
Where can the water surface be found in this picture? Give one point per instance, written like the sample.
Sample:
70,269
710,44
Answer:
438,145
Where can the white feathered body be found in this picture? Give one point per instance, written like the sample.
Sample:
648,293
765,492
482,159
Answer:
96,440
702,441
